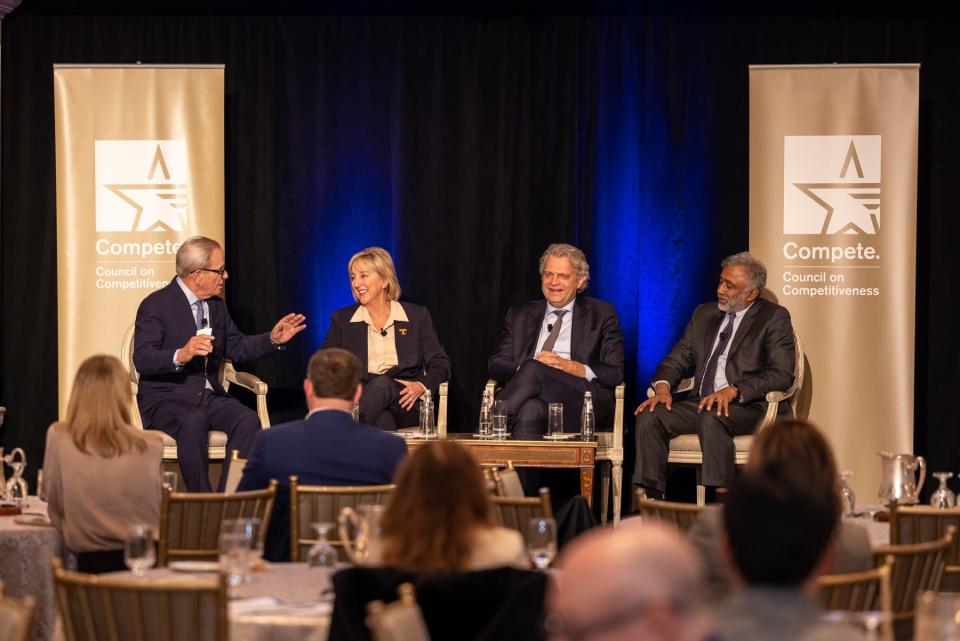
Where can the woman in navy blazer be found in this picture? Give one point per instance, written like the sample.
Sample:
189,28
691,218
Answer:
395,341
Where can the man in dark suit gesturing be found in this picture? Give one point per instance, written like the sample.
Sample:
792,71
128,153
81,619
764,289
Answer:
326,448
553,350
183,333
739,348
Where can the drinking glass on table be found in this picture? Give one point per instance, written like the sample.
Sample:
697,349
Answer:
249,529
943,498
554,419
847,497
169,480
237,540
500,419
138,550
541,542
322,554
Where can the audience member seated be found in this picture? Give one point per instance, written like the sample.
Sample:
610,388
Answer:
438,519
801,445
101,475
639,582
780,530
327,447
396,342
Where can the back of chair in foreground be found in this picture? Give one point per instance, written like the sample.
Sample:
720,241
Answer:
95,608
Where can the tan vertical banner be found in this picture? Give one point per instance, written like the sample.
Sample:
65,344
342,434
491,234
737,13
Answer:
833,208
139,170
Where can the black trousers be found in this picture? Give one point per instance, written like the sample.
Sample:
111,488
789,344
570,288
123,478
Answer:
189,425
380,405
100,561
655,429
535,385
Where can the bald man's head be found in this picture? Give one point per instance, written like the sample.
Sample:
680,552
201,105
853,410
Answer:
642,581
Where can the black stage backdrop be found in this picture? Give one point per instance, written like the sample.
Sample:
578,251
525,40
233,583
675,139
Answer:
466,144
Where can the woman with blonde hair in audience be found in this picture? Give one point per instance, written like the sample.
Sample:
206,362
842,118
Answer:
797,444
438,519
101,475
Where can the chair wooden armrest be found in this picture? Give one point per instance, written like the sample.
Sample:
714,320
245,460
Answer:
250,383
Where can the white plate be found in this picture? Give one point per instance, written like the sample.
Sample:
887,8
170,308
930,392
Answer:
560,437
194,566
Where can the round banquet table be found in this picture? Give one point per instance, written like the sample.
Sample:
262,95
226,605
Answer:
283,602
25,554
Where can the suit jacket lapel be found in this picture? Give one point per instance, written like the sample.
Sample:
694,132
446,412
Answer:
710,335
183,309
534,323
357,340
744,327
579,320
401,337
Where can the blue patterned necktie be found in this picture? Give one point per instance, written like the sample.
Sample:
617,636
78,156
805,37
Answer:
708,383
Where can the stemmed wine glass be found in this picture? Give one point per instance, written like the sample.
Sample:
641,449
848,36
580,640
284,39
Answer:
847,497
542,542
943,498
322,554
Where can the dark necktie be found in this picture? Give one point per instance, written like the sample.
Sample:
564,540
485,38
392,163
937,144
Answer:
708,383
552,336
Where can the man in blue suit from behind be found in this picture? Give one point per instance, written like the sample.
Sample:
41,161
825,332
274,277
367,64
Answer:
327,447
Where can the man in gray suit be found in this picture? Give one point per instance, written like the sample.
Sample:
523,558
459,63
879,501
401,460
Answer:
738,349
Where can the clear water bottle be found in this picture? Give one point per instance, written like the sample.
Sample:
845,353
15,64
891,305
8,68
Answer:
588,420
486,416
428,428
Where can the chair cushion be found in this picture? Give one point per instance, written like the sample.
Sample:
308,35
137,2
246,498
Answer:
691,443
217,443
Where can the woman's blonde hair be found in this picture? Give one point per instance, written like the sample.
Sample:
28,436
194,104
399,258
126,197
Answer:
98,414
381,262
433,515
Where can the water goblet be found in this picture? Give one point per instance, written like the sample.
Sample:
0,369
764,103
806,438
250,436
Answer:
943,498
847,497
322,554
541,541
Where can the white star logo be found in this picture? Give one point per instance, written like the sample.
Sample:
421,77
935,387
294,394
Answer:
158,206
848,205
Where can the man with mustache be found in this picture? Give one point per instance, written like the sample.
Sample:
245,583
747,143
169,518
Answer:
739,348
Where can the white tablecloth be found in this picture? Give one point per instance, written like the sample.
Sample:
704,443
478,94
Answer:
877,531
25,555
280,603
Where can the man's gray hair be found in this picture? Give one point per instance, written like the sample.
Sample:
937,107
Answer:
576,257
756,272
194,254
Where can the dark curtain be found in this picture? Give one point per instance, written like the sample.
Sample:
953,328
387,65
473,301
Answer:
465,144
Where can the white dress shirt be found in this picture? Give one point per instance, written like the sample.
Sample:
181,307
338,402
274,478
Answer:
562,347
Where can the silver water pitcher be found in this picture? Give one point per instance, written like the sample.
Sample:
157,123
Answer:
901,477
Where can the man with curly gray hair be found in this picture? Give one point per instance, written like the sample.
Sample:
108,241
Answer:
738,349
554,350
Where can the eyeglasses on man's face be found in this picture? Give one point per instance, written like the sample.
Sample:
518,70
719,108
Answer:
219,272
